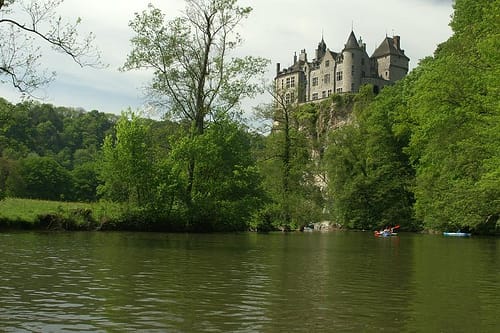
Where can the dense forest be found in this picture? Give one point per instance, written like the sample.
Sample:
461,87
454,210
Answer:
424,153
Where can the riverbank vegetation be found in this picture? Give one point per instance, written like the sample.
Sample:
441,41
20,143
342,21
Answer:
31,214
423,154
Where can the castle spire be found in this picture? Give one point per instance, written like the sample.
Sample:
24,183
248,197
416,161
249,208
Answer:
321,50
352,42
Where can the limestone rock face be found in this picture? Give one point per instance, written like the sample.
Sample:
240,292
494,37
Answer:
326,226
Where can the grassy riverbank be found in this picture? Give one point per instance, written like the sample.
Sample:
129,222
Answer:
41,214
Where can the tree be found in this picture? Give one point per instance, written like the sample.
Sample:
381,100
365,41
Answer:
5,169
85,182
42,178
20,51
287,165
228,187
370,176
454,145
194,73
127,165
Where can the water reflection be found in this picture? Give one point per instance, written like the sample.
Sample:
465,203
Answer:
310,282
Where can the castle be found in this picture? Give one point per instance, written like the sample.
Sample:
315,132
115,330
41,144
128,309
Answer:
330,72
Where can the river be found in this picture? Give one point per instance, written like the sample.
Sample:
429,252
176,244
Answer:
248,282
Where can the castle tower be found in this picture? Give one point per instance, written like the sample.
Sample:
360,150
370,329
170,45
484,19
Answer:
390,60
331,72
321,50
354,67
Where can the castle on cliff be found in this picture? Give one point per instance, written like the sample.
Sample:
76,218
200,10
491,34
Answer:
346,71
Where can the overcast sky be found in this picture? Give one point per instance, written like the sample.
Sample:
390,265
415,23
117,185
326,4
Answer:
275,30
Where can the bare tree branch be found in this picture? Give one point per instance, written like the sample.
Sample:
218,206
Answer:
19,57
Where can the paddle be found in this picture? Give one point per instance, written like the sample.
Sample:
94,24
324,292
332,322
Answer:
378,233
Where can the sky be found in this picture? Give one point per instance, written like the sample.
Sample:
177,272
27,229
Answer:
275,30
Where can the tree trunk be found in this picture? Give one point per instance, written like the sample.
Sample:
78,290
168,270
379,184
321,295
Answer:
286,167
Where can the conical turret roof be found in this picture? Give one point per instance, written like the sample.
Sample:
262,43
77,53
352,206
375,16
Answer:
352,42
322,44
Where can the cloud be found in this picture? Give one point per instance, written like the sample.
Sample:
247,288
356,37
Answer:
439,2
275,30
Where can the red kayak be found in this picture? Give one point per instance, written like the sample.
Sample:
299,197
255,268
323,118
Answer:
387,232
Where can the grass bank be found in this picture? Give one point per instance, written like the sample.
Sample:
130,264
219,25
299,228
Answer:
40,214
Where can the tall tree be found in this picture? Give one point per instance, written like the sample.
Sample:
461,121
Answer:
228,188
370,176
195,76
127,166
286,164
455,145
24,24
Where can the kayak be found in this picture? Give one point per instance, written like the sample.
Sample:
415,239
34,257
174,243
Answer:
457,234
385,234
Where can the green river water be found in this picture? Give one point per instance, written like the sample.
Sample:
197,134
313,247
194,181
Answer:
299,282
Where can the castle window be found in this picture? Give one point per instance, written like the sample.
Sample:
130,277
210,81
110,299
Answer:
362,61
352,70
326,78
292,81
315,96
282,84
323,94
339,76
329,92
315,81
339,90
287,82
327,63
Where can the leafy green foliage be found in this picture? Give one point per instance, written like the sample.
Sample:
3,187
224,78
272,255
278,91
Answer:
69,137
423,153
456,108
127,165
370,177
194,73
43,178
290,175
227,190
430,142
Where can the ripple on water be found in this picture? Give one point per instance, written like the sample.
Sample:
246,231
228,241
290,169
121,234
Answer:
99,282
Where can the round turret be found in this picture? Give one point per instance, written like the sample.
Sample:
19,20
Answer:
355,65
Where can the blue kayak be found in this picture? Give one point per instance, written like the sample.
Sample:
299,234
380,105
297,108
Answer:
457,234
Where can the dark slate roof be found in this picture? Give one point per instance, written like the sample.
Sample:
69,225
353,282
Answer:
387,47
352,42
296,67
322,44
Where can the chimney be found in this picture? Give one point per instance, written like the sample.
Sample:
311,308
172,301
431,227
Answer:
303,55
397,42
278,68
295,58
